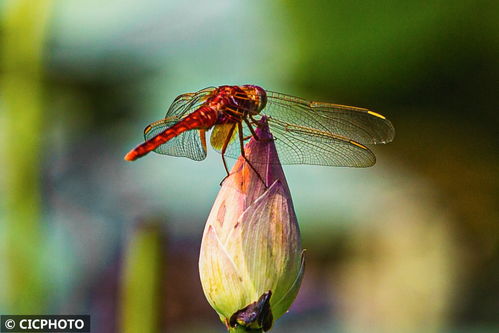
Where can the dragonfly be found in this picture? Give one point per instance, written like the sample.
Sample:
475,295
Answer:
304,132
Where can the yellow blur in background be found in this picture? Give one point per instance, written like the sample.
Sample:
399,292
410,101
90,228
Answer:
409,245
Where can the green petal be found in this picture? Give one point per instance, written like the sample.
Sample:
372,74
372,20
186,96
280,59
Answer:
281,306
271,244
223,284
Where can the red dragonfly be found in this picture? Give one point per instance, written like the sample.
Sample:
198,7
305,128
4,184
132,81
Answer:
305,132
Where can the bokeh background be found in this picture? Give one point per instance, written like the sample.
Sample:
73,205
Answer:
409,245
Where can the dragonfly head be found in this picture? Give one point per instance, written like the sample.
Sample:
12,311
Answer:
258,95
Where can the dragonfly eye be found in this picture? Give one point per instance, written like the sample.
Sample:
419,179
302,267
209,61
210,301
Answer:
262,98
258,95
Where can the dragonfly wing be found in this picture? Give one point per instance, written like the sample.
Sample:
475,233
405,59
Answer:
358,124
188,144
188,103
223,134
301,145
219,135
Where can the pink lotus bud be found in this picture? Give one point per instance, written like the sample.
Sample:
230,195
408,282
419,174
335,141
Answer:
251,261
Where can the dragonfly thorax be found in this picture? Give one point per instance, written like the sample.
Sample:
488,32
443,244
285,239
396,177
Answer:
239,101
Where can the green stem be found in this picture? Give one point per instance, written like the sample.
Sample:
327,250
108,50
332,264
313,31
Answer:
141,292
241,329
24,31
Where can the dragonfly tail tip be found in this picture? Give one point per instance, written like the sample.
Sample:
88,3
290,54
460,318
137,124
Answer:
130,156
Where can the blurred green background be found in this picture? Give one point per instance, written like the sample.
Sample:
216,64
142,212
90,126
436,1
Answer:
409,245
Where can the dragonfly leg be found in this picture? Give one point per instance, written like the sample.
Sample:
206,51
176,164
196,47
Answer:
202,137
241,141
224,149
252,130
253,133
226,170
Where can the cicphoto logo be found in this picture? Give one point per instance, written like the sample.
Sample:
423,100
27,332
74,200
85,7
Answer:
45,323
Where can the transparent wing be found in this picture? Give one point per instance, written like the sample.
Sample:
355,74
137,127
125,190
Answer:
223,134
307,132
234,146
187,103
301,145
358,124
189,144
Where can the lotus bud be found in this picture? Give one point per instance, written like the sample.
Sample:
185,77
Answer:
251,261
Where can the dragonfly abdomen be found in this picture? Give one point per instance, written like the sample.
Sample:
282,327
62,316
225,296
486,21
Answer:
203,118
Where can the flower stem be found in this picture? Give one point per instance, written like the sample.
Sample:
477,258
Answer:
240,329
141,282
24,35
